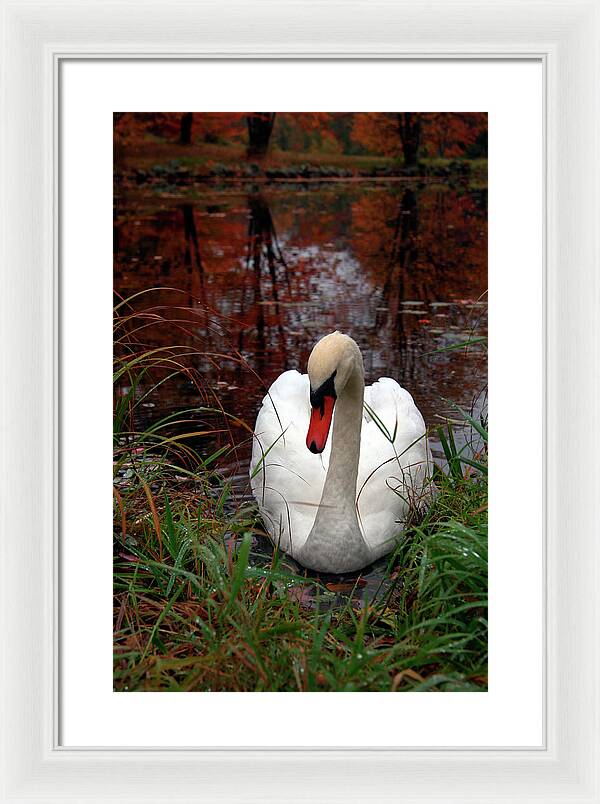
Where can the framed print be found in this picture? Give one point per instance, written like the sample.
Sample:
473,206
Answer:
299,576
257,288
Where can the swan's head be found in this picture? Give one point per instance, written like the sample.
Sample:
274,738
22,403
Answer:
331,364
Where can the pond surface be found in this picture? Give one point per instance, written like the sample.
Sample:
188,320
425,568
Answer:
267,269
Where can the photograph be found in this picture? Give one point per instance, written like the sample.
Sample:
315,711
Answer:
300,401
313,316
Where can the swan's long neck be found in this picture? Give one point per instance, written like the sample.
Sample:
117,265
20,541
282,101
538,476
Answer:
335,542
340,483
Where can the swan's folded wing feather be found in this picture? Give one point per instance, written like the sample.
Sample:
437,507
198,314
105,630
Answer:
393,461
286,478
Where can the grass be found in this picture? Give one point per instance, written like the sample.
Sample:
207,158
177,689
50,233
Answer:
199,604
147,153
153,153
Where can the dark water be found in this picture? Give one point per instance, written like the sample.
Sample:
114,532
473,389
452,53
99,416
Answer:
402,267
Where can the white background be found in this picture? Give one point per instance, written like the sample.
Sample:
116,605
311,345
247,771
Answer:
511,713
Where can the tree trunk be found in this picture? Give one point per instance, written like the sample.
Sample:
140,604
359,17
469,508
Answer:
260,126
409,128
185,132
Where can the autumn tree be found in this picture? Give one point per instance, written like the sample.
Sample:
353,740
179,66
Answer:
450,134
340,126
390,134
182,127
185,128
377,133
409,134
403,135
260,125
295,131
409,130
318,128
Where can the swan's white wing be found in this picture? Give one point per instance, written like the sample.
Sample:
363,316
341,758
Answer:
393,462
287,479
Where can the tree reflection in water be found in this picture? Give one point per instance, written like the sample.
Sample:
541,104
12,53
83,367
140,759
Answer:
402,257
263,248
399,266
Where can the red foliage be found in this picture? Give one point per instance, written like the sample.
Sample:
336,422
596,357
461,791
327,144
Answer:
133,127
442,133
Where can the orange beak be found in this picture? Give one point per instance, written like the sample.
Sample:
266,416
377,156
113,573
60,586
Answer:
320,422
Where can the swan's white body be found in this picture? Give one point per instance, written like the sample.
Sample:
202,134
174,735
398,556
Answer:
320,524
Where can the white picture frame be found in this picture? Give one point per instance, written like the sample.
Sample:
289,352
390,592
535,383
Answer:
35,37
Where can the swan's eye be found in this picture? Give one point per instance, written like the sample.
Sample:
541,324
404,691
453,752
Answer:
317,398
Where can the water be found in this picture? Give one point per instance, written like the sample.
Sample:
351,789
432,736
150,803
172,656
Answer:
399,265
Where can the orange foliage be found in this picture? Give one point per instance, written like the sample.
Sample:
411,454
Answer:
378,133
442,133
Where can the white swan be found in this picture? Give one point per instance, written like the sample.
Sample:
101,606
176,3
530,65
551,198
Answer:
306,485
